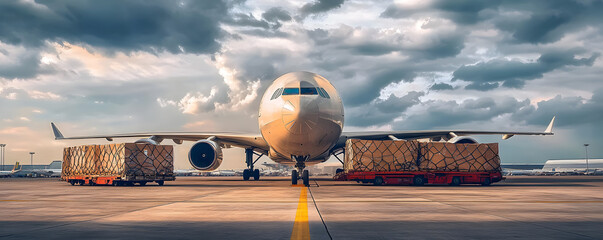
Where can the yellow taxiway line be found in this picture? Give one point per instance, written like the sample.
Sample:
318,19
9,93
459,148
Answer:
301,228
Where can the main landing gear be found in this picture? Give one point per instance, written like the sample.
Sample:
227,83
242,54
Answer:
300,165
250,172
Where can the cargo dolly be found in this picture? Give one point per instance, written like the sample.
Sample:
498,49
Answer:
419,178
116,180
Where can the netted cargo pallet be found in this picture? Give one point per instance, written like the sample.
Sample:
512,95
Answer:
388,155
129,160
470,157
369,155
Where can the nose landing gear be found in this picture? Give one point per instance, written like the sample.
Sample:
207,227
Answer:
300,165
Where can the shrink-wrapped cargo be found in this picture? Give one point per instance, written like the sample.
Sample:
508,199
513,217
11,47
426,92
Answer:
370,155
459,157
127,161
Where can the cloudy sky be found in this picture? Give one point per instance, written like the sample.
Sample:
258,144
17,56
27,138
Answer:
97,67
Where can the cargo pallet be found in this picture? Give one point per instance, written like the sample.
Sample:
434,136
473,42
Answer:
114,180
419,178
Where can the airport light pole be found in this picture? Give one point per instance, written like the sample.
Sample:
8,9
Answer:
31,159
586,150
2,146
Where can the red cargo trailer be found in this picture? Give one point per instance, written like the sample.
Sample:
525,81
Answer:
419,163
419,178
118,164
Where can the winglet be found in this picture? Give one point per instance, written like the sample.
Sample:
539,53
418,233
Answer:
57,134
549,129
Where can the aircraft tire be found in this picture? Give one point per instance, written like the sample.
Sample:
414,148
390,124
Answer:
294,177
246,174
256,174
306,178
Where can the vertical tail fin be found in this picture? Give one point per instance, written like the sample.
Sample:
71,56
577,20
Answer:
16,167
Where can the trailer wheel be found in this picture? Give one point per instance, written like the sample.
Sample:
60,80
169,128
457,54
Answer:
160,182
455,181
378,181
418,181
72,182
486,182
142,183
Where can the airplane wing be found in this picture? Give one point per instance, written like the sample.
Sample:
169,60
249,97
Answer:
435,134
238,140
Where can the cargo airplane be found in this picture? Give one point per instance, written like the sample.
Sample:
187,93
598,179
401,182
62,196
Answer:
301,121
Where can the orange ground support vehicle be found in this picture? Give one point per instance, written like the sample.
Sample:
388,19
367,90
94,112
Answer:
119,164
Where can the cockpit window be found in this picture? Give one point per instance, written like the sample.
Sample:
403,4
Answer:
308,91
276,94
323,93
291,91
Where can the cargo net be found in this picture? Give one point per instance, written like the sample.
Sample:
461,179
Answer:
124,159
440,156
367,155
149,160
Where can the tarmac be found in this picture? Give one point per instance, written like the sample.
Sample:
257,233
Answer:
522,207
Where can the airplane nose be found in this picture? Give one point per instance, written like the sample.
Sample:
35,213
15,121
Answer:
300,115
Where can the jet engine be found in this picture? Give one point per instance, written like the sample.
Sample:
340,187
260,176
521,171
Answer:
205,155
462,140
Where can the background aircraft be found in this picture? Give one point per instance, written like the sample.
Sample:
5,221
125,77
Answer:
16,168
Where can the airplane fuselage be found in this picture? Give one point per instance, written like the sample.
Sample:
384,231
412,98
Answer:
300,117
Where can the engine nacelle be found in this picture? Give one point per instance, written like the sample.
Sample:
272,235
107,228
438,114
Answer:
205,155
462,140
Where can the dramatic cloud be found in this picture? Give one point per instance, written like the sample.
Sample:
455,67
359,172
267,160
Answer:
441,86
190,26
437,114
276,14
320,6
572,111
383,111
464,11
540,21
27,65
513,73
